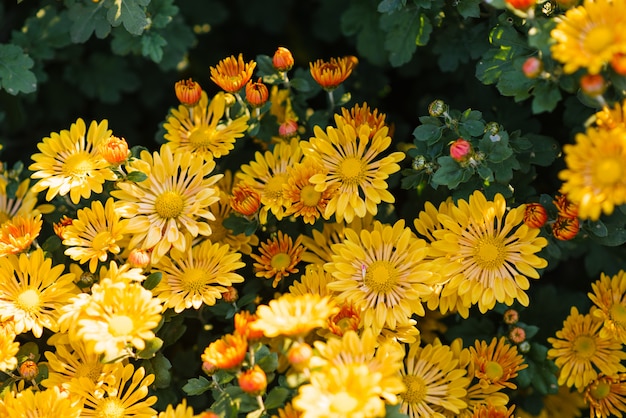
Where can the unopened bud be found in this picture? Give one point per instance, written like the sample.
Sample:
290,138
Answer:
437,108
460,150
282,59
592,85
256,93
618,63
565,229
521,4
114,150
510,317
209,368
517,335
230,295
253,381
139,258
532,67
535,215
288,129
188,92
29,370
299,356
524,347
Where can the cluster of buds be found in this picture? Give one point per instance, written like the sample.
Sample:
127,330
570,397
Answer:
567,225
516,333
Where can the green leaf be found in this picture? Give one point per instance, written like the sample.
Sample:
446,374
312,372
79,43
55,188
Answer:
300,84
390,6
472,329
161,13
428,133
362,20
276,397
471,128
130,13
197,386
544,150
136,176
152,346
152,46
531,331
152,280
546,96
405,30
52,243
43,33
161,367
468,8
15,74
87,18
393,411
450,173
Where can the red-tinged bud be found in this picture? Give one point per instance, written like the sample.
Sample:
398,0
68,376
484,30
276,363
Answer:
517,335
282,59
510,317
592,85
299,356
114,150
188,92
230,295
460,150
243,322
256,93
207,414
245,200
535,215
618,63
532,67
288,129
253,381
139,258
565,229
61,226
29,370
521,4
209,368
566,208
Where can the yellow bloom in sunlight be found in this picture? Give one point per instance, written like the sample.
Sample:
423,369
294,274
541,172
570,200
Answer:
172,201
610,117
32,291
352,163
496,363
70,162
330,74
595,177
581,353
180,411
200,129
22,203
589,35
490,411
278,258
124,397
197,276
232,74
303,199
288,411
489,251
95,233
17,234
294,315
50,403
125,272
606,396
359,116
226,353
609,295
434,381
383,273
267,174
8,348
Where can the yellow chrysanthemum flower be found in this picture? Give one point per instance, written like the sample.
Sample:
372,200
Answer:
303,199
330,74
8,349
609,295
18,233
197,276
491,411
288,411
278,257
200,129
32,291
496,363
50,403
383,273
267,174
181,411
581,353
172,201
589,35
23,202
490,253
352,163
226,353
294,315
434,380
606,396
95,233
70,162
125,397
123,273
359,116
610,117
595,177
232,74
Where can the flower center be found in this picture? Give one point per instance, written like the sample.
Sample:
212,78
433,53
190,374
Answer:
281,261
121,325
194,279
493,370
169,205
202,136
490,252
608,172
102,241
415,389
598,39
78,165
600,390
584,346
274,187
351,170
28,300
381,277
618,314
309,196
111,408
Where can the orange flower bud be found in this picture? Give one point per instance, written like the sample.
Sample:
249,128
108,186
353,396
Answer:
139,258
114,150
510,317
618,63
245,200
243,322
29,370
517,335
230,295
227,353
592,84
532,67
188,92
535,215
566,208
282,59
209,368
59,227
565,229
521,4
253,381
299,355
256,93
460,150
207,414
288,129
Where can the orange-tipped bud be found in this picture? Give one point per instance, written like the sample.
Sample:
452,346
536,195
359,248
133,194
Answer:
227,353
257,93
29,370
510,317
288,129
532,67
299,356
245,200
253,381
61,226
460,150
230,295
330,74
207,414
282,59
565,229
243,320
535,215
139,258
188,92
521,4
566,208
517,335
114,150
592,85
209,368
618,63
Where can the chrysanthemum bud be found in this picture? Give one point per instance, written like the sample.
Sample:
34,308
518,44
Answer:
282,59
188,92
230,295
229,100
61,226
86,280
521,4
510,317
299,356
256,93
618,63
492,128
139,258
460,150
29,370
207,414
209,368
524,347
253,381
437,108
114,150
288,129
517,335
566,208
592,85
565,229
532,67
535,215
245,200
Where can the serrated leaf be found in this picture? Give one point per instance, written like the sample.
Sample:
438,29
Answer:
450,173
197,386
161,13
152,346
362,20
43,33
546,96
87,18
152,46
428,133
15,74
276,397
390,6
130,13
468,8
180,38
544,149
405,30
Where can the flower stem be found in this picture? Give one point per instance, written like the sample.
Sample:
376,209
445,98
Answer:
331,102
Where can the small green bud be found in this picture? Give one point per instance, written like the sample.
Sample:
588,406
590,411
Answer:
437,108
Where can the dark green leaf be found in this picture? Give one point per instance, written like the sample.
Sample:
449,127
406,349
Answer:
469,8
472,329
52,243
390,6
136,176
300,84
471,128
225,405
161,367
131,14
152,46
152,346
87,18
405,30
428,133
546,96
276,397
531,331
450,173
15,74
161,13
153,280
544,150
197,386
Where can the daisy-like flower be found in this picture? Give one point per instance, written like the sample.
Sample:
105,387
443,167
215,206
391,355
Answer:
359,116
180,411
199,129
497,363
23,202
489,251
606,396
172,201
303,199
383,273
232,74
581,353
267,174
8,348
17,234
611,117
32,291
594,177
434,380
70,162
609,295
294,315
589,35
123,273
278,257
491,411
352,163
95,233
50,403
330,74
197,276
226,353
125,397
